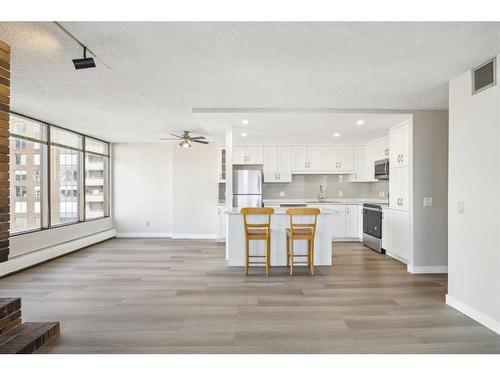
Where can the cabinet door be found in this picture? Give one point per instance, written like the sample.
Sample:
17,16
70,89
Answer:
405,145
345,158
339,218
359,164
330,158
270,164
239,155
383,148
351,221
386,230
400,234
284,164
395,144
369,162
254,155
394,188
316,158
298,157
403,188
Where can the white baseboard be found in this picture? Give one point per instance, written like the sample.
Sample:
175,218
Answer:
30,259
398,258
195,236
143,235
485,320
427,269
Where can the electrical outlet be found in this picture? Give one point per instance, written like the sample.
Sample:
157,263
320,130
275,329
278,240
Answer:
460,207
282,193
382,194
427,201
340,193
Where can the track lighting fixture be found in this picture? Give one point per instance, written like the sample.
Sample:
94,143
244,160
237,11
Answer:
86,62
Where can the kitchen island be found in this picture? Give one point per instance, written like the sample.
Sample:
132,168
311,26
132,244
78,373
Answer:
235,241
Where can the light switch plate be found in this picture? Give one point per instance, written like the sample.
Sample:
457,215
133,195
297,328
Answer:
427,201
282,193
460,207
340,193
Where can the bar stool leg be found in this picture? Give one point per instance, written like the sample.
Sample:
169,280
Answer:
268,256
247,243
287,251
291,256
311,256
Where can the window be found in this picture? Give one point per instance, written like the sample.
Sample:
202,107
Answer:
21,159
21,207
20,175
21,191
20,144
77,176
65,185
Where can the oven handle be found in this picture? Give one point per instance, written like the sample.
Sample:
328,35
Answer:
372,209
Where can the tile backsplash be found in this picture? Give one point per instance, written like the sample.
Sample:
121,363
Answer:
307,186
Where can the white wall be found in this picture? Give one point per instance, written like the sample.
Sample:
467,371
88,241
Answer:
195,191
176,190
430,179
474,179
143,189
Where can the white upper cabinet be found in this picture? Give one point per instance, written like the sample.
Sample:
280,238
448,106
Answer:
399,145
382,148
316,158
248,155
359,173
307,159
339,159
277,164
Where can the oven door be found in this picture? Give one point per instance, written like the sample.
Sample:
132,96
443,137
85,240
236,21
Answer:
372,222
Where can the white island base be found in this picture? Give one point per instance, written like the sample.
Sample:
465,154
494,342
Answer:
235,240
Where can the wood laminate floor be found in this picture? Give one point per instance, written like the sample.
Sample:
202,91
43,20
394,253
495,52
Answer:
178,296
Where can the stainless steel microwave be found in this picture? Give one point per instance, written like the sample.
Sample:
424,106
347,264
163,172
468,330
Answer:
382,169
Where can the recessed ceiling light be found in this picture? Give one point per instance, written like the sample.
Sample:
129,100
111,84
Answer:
243,134
336,135
245,122
360,122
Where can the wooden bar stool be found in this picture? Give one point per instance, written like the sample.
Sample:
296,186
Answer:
261,231
301,231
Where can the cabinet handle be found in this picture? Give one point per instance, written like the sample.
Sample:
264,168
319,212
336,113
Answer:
401,158
279,176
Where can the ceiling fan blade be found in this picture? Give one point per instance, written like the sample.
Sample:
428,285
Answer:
169,139
200,137
177,136
204,142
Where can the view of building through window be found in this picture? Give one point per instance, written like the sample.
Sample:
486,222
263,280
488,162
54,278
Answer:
77,174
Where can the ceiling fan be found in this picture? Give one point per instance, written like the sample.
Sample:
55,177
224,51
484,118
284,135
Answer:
185,139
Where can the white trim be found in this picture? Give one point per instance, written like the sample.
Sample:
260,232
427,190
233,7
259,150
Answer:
427,269
485,320
144,235
30,259
195,236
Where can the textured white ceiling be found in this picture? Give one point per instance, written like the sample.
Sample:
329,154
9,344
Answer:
160,71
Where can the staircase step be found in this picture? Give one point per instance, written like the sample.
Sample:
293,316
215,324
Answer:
8,306
9,322
28,337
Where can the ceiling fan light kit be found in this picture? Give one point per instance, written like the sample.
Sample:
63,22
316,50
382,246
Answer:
186,141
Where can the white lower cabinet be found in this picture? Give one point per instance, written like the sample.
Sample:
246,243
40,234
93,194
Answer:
221,235
339,220
351,221
346,220
396,234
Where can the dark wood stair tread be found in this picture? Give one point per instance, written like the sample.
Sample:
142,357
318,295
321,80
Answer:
28,337
8,306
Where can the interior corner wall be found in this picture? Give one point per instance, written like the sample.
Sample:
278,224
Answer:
4,151
430,179
195,192
474,181
143,189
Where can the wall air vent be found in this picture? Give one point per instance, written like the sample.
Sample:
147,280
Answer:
484,76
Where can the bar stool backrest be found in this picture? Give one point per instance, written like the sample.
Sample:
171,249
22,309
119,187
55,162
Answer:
302,212
256,211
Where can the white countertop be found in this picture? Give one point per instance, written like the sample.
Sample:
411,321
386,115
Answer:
277,211
327,201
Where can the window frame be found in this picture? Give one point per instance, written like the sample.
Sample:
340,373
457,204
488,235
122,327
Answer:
45,167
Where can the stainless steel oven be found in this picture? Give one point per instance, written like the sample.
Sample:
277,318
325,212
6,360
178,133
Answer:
372,227
382,169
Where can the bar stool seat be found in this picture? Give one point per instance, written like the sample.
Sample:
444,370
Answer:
257,231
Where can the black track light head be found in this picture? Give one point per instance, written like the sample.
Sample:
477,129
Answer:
85,63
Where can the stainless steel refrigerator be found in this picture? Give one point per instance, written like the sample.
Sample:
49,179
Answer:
247,188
